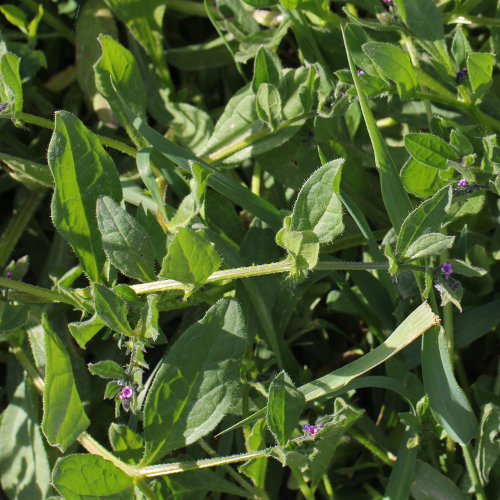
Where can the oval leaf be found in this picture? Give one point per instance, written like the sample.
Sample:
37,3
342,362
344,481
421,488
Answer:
430,150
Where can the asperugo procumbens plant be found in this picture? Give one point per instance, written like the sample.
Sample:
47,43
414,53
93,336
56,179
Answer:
218,216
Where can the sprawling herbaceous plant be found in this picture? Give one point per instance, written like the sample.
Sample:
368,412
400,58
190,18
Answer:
249,249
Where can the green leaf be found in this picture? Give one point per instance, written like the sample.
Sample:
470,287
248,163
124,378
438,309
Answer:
488,447
268,104
448,402
15,16
191,259
196,382
428,244
460,47
480,69
117,67
318,207
82,172
84,331
79,477
427,217
125,242
148,325
127,444
64,418
11,90
422,17
466,269
400,480
31,174
24,467
430,483
111,309
395,65
284,407
107,369
144,19
421,180
395,198
12,316
267,69
430,150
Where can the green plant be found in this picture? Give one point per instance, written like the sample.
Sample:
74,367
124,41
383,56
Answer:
223,236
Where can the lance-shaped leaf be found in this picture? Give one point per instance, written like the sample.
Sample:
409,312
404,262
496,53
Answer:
268,105
91,476
111,309
11,90
63,416
196,382
83,331
125,241
480,68
427,217
430,150
267,69
107,369
284,406
318,207
82,172
191,259
428,244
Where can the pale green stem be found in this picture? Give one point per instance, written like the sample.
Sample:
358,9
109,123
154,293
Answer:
468,19
473,472
105,141
373,447
304,488
18,223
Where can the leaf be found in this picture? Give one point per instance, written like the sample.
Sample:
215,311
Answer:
82,172
125,242
428,244
267,69
84,331
31,174
64,418
318,207
144,20
421,180
15,16
196,382
480,69
448,402
191,259
395,65
107,369
127,444
427,217
430,150
460,47
24,467
12,316
430,483
423,18
488,445
117,66
268,105
111,309
466,269
284,407
91,476
11,90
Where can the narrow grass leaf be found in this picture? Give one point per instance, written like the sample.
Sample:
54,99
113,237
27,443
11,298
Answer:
91,476
430,483
395,65
125,242
427,217
82,172
395,198
284,406
430,150
64,418
400,480
196,382
448,402
111,309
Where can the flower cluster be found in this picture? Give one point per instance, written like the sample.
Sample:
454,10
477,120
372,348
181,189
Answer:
126,392
310,429
446,269
460,74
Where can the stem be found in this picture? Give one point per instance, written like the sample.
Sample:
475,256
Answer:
175,467
29,367
105,141
192,8
304,488
18,223
373,447
473,472
37,291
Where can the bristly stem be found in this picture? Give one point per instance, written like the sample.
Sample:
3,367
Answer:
473,472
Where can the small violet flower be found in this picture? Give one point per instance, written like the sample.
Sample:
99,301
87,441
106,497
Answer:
310,429
361,72
119,382
446,268
462,183
387,1
126,392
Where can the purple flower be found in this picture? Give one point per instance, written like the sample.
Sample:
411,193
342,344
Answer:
9,274
361,72
342,94
310,429
464,70
119,382
468,190
126,392
462,183
446,268
387,1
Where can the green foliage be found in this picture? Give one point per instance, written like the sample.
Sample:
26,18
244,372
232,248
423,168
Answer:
231,232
